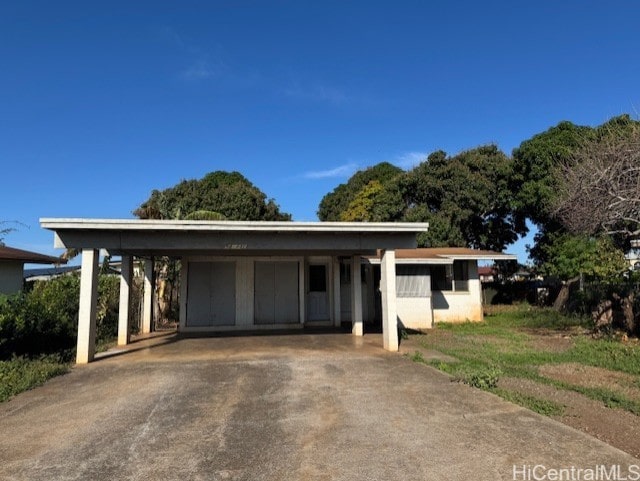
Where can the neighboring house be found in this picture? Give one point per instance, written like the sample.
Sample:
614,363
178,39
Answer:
280,275
486,274
12,263
48,273
633,258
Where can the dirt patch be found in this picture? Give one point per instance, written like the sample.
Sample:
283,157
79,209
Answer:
593,377
551,343
613,426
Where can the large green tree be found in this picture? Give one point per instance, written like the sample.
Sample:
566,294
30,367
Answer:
537,182
465,198
377,183
221,195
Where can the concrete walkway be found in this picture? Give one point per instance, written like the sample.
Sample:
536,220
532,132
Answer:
286,407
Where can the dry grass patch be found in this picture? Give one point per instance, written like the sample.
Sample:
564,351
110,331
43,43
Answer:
593,377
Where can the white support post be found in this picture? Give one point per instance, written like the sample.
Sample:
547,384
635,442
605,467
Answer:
389,309
147,301
337,320
126,277
302,291
86,346
184,277
357,328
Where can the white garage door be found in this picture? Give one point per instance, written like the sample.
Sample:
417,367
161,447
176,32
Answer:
211,294
276,293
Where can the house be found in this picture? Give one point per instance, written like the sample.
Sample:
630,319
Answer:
12,263
239,275
438,285
487,273
280,275
48,273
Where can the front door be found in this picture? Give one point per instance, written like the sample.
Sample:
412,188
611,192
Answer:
318,293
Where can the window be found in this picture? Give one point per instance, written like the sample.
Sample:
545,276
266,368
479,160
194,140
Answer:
345,273
412,280
451,277
461,275
317,278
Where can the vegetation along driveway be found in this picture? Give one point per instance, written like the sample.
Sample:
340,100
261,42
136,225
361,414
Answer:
316,407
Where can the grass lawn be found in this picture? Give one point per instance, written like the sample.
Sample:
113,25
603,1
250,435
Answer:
21,374
543,346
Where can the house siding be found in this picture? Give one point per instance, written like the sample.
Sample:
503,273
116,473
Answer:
11,277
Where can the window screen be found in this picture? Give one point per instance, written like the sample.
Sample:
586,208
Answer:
451,277
412,280
441,278
461,275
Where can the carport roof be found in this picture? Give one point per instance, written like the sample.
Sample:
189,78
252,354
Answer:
189,237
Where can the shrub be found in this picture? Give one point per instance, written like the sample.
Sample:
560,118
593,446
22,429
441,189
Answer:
21,374
44,319
481,378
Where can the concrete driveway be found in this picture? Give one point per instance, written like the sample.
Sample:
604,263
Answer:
285,407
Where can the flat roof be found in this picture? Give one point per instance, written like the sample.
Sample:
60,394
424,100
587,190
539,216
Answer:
205,237
229,225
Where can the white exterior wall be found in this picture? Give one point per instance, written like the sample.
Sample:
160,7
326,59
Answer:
451,306
415,312
11,277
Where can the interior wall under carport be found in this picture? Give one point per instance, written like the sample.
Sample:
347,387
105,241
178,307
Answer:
197,301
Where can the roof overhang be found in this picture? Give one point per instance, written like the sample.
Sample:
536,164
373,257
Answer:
182,237
19,255
444,255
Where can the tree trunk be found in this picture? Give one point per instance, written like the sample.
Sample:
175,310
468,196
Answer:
602,315
628,318
563,296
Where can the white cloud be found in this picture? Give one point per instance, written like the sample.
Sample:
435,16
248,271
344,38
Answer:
341,171
408,160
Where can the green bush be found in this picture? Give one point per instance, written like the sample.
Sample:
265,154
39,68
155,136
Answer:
21,374
482,378
44,319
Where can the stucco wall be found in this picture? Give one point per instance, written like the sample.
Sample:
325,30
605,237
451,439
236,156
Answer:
465,306
10,277
415,312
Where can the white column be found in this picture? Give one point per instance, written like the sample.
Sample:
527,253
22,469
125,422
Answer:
302,291
184,277
389,309
88,305
147,301
126,278
337,320
356,297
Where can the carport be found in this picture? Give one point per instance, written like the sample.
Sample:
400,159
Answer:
239,275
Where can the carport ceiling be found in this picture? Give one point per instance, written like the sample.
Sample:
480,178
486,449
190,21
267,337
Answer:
180,237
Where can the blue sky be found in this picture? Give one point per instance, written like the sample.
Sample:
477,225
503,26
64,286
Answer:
102,102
